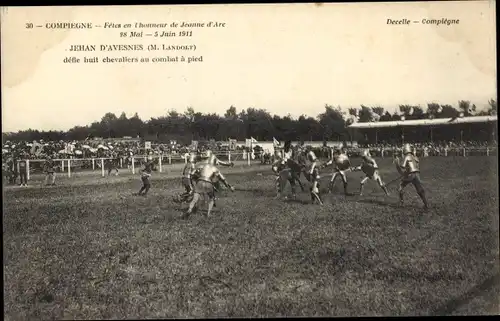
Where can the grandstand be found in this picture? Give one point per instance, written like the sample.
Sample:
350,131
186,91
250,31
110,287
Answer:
473,128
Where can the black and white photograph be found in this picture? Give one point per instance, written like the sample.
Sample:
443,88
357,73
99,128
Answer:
250,160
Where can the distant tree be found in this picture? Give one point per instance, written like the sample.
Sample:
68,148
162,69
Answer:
365,114
378,110
492,103
333,123
251,122
386,116
433,110
231,113
353,111
418,112
448,111
465,107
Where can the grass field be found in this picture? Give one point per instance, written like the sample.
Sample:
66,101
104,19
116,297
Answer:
89,249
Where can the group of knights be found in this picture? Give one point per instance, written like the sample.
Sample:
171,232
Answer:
288,168
201,179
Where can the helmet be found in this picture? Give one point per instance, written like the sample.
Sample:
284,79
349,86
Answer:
366,153
212,159
150,158
407,149
311,156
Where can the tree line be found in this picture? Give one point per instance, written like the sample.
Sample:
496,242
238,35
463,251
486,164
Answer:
329,125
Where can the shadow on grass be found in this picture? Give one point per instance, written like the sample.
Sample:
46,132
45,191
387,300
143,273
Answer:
298,201
256,191
385,203
454,304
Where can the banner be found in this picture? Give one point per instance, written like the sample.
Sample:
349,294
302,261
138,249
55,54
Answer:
147,145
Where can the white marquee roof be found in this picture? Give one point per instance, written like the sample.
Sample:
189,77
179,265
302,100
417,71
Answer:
426,122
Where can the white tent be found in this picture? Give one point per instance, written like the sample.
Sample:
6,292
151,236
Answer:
426,122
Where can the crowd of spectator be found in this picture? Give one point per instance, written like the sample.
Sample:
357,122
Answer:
38,152
14,152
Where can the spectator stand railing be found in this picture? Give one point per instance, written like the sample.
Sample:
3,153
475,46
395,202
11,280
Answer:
69,165
434,151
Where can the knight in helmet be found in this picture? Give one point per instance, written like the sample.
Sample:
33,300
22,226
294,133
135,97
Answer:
146,175
49,169
213,160
314,177
187,178
287,151
342,164
283,175
112,163
204,187
410,171
295,167
278,164
370,168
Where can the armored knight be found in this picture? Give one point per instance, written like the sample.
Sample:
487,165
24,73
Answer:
342,164
370,168
204,187
410,172
314,177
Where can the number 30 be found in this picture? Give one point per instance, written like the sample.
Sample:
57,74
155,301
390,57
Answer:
29,26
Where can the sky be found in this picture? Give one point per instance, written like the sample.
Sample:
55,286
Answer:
287,59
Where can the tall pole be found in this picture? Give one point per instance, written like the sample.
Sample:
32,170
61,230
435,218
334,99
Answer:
249,154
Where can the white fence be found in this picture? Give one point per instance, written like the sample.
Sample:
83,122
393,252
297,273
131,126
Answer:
450,151
69,165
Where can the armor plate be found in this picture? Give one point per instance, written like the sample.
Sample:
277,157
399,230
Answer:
407,149
342,162
368,169
208,171
411,164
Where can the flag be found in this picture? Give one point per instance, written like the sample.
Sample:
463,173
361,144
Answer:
253,140
276,142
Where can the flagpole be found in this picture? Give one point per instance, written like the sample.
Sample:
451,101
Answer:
250,153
